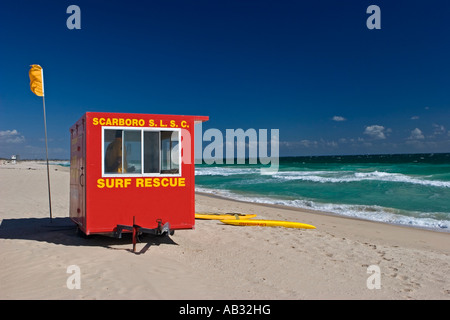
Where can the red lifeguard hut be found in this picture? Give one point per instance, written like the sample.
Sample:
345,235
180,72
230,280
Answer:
132,173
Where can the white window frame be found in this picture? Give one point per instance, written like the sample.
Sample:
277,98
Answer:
142,174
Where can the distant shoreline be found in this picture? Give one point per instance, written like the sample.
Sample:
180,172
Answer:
284,157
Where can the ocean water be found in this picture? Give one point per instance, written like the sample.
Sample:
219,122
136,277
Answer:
408,189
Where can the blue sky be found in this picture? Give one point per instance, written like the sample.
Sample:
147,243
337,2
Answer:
311,69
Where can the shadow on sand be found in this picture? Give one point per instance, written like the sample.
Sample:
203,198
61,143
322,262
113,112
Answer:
64,231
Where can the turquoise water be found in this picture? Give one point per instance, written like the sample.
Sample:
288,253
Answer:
411,189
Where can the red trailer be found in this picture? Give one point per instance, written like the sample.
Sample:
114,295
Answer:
132,173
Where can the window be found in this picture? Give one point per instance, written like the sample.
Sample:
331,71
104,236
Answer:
151,152
169,152
140,152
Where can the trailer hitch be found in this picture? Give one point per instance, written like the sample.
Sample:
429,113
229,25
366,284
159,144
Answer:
138,230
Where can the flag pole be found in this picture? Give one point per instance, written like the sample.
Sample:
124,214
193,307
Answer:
46,149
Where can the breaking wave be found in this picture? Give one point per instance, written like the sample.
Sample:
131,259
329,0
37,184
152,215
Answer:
326,176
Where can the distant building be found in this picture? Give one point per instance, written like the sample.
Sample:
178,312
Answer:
14,158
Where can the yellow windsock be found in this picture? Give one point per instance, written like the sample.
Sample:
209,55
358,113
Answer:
37,80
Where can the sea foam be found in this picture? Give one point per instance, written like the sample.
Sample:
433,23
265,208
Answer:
365,212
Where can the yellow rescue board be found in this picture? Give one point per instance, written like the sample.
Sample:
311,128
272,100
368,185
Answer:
269,223
227,216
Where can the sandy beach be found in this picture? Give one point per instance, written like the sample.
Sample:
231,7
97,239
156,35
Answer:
214,261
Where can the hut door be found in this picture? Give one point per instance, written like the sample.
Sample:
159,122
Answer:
81,165
78,178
